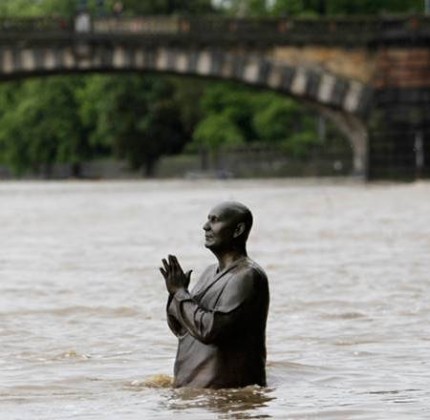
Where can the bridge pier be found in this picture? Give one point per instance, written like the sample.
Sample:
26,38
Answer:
359,139
355,130
400,121
400,134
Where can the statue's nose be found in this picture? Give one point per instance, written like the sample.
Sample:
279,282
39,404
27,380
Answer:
206,226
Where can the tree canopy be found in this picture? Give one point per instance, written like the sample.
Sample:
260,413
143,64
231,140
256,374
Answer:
319,7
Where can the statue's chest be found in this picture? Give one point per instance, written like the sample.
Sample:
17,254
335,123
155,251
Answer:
210,293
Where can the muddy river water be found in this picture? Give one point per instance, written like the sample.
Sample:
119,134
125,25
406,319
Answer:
82,325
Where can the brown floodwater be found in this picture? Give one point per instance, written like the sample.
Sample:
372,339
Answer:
82,325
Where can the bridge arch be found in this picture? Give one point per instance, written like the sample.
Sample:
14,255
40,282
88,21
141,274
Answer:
344,101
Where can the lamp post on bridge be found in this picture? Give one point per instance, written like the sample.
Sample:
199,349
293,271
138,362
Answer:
82,26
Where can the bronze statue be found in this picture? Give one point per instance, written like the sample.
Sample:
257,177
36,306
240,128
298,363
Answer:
221,324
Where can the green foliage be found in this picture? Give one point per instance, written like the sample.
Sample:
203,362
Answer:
13,151
58,7
274,122
19,8
188,93
40,125
260,8
300,143
33,8
362,7
166,7
288,8
242,8
138,117
217,132
285,123
249,8
234,101
234,116
344,7
131,7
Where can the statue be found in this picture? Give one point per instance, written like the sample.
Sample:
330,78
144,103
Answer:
221,323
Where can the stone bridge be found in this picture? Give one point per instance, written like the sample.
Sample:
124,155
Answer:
370,76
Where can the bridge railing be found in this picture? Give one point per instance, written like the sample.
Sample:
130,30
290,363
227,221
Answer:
356,30
343,30
139,25
34,24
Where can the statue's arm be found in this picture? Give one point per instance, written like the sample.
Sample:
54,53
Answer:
237,302
172,318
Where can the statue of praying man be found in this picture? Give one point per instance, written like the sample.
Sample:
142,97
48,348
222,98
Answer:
221,323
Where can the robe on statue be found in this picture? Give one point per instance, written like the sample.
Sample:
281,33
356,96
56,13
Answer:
221,327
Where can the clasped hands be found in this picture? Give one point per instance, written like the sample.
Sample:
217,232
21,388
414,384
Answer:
173,274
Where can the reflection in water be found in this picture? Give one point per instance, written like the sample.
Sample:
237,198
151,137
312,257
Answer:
243,403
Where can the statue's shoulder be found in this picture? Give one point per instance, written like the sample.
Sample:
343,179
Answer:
250,267
246,281
248,277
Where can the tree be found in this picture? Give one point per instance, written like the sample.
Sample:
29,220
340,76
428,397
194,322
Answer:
137,116
217,132
285,123
19,8
344,7
234,101
235,115
246,8
259,8
188,92
275,122
167,7
40,125
32,8
362,7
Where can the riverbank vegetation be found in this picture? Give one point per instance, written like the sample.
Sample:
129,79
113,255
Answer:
139,118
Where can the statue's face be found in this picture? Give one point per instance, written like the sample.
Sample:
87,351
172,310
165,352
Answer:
220,227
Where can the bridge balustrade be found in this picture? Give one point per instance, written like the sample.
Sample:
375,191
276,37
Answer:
356,30
34,24
145,25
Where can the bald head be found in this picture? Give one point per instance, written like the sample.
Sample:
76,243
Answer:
237,213
228,227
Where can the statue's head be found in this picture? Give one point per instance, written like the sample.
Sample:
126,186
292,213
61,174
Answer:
228,226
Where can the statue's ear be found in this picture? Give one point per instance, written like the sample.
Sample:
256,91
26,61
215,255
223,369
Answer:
240,228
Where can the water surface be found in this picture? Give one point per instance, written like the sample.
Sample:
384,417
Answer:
82,325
